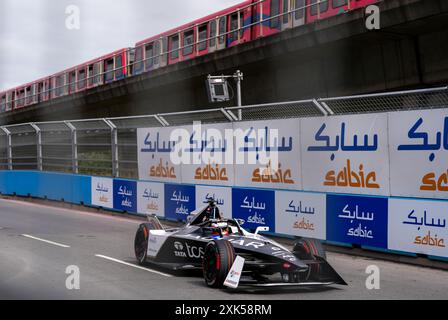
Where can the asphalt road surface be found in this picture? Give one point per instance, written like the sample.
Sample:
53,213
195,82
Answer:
38,243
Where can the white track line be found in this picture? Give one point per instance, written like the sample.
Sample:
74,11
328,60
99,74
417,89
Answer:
132,265
46,241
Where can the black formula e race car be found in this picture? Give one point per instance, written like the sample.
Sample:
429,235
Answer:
231,256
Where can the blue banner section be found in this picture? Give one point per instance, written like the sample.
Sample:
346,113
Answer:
256,207
125,195
180,201
54,186
357,220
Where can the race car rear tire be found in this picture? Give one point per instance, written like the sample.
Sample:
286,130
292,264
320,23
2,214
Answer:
141,243
309,249
218,259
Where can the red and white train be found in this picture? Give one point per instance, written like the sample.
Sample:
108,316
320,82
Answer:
241,23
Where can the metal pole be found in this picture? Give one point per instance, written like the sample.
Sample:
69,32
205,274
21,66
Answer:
239,77
74,139
40,166
114,147
9,150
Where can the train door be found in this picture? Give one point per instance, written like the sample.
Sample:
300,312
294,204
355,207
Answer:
11,100
299,12
203,35
164,50
20,98
95,71
318,9
72,81
28,95
269,12
188,44
138,60
285,19
222,30
157,53
149,56
109,70
3,103
120,66
81,82
174,42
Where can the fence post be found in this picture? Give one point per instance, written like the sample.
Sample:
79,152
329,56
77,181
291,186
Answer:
39,146
114,147
9,149
74,140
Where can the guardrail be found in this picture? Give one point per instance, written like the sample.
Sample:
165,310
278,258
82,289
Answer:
107,147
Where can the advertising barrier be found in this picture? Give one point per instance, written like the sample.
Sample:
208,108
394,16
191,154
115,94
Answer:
419,153
301,214
103,192
180,201
347,154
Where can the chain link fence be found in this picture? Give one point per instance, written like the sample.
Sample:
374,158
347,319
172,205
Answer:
108,147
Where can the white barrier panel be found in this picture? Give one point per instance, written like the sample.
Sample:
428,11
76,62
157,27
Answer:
346,154
154,155
419,153
300,214
207,150
418,226
222,195
261,140
151,198
102,192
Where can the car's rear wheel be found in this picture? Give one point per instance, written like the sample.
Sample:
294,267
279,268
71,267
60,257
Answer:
218,259
141,243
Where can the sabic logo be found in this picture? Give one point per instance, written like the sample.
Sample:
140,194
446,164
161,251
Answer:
178,246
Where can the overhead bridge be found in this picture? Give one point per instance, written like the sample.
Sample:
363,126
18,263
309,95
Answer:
332,57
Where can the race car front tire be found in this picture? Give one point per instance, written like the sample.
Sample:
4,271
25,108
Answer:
141,243
218,259
309,249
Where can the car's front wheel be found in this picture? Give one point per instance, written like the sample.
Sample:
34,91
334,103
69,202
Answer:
141,243
218,259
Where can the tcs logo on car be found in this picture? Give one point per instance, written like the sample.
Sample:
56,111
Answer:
188,250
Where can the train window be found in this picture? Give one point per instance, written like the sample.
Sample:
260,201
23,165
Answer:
81,79
174,45
285,11
188,42
275,11
149,54
212,42
202,30
339,3
108,68
118,66
138,59
222,29
323,7
299,13
156,52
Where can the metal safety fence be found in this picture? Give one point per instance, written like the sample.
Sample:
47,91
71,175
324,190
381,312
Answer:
108,146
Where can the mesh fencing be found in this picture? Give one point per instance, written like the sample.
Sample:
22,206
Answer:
108,147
